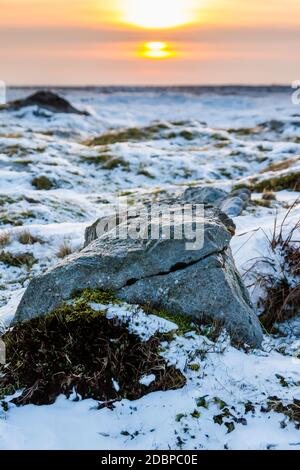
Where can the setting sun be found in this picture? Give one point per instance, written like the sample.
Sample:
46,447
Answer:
157,13
156,50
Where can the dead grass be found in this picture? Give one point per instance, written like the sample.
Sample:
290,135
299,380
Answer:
76,348
278,274
5,238
64,250
26,238
283,165
290,410
269,196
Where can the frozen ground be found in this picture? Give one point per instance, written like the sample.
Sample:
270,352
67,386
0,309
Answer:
220,139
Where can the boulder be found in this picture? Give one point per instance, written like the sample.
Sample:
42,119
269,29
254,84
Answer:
163,273
231,204
47,100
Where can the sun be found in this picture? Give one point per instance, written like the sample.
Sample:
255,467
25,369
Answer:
156,50
156,14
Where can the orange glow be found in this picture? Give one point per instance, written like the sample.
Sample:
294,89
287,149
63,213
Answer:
156,50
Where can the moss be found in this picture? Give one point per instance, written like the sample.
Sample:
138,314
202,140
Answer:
184,324
195,414
201,402
187,135
217,136
291,181
134,134
194,367
42,183
244,131
78,348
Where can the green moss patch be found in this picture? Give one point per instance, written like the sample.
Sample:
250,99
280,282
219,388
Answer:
79,349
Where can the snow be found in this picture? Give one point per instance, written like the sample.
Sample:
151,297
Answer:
31,145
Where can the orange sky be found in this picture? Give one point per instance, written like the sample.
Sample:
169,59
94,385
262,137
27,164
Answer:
80,42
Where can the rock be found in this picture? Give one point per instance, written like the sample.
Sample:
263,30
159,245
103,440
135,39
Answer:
202,283
46,100
231,204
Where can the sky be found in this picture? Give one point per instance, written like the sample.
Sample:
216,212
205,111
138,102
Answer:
149,42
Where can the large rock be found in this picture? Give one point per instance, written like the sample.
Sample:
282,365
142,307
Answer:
230,205
202,283
47,100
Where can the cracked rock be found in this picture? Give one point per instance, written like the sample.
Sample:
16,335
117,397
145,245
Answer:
202,283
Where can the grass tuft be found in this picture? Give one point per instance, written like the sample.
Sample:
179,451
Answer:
5,238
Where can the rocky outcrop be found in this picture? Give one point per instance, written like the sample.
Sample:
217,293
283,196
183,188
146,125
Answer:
46,100
161,273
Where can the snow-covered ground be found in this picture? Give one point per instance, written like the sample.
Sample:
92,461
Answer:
219,139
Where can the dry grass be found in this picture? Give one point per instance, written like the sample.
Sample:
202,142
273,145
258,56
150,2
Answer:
64,250
5,238
26,238
278,274
269,196
283,165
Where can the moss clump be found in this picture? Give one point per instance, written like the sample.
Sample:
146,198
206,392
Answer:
278,183
184,324
187,135
133,134
78,349
244,131
26,259
291,181
42,183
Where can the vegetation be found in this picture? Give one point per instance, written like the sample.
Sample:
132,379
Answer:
5,238
26,259
79,349
42,183
281,286
26,238
64,250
